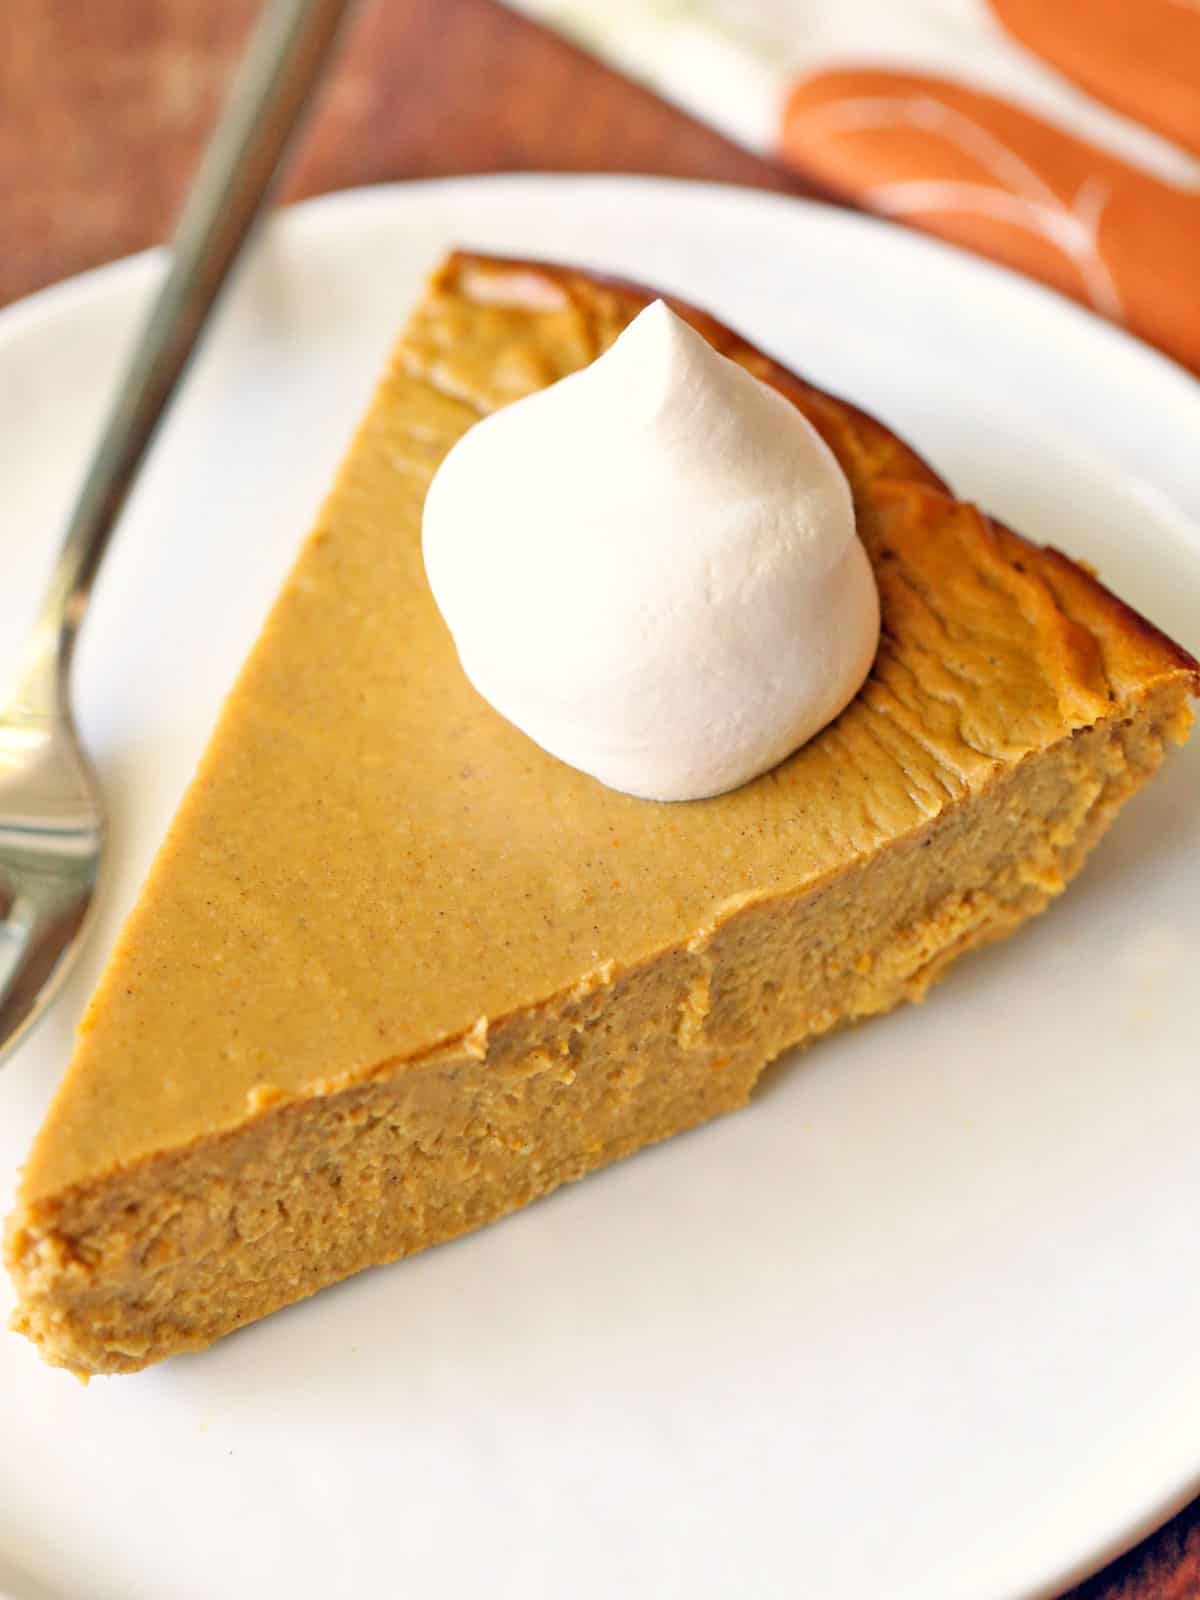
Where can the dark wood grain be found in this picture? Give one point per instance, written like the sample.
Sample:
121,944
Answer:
104,106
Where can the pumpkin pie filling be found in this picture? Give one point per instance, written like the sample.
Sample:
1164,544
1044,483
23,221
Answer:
397,971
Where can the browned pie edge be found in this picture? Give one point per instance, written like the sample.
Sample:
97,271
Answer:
481,277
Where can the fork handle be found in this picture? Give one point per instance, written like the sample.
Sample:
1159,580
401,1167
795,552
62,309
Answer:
292,43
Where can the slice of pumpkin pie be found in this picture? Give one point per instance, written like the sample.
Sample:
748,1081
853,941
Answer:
397,971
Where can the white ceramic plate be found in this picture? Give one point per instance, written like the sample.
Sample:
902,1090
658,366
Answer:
925,1320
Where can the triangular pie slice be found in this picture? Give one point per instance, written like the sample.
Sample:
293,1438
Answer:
396,971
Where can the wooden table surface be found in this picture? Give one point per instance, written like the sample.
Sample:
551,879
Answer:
103,108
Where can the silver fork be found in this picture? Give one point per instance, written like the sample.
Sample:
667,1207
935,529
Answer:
52,826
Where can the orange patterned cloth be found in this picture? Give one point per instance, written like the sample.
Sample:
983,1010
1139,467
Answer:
1061,137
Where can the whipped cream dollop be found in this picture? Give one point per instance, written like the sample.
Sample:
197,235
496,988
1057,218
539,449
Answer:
652,568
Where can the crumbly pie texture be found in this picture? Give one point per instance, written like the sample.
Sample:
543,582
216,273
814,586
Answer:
397,972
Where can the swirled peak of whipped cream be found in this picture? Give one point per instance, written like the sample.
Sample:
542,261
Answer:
652,568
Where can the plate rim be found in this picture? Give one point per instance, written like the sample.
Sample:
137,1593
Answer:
332,207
